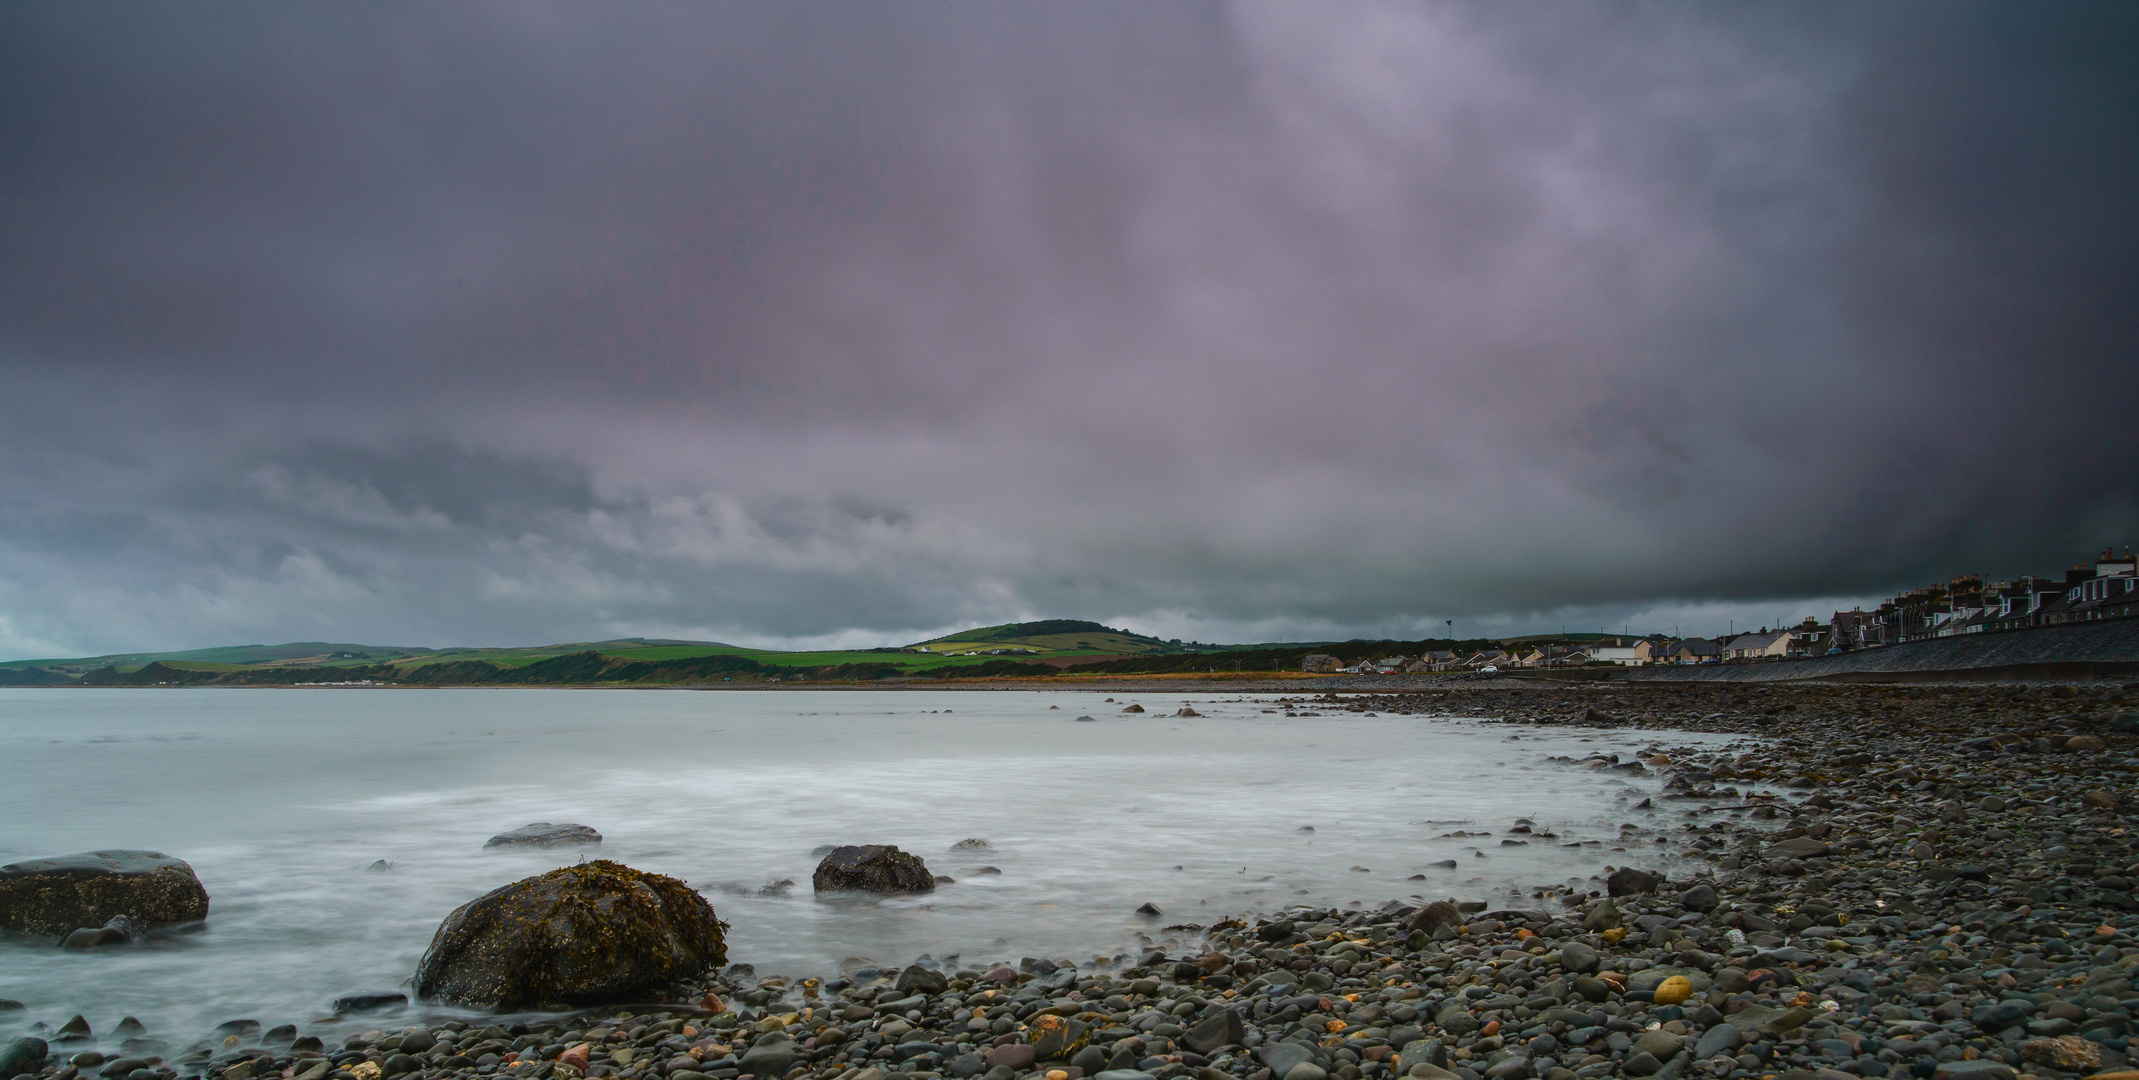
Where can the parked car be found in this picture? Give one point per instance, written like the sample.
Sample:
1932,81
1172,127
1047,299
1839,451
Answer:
1489,669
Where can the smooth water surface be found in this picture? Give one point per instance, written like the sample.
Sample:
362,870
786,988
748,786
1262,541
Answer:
281,798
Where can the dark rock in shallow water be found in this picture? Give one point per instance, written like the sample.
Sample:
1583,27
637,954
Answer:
580,934
873,868
544,834
1627,881
1434,916
920,980
22,1056
373,1002
121,930
58,896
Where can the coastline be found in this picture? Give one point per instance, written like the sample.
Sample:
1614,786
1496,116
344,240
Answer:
1941,886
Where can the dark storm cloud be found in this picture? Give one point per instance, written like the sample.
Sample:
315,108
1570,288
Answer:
528,322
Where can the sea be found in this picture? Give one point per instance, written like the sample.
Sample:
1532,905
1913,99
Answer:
286,801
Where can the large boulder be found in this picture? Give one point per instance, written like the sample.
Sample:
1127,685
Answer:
576,935
544,834
55,897
873,868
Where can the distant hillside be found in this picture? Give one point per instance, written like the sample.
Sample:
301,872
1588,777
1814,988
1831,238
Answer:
1049,636
294,652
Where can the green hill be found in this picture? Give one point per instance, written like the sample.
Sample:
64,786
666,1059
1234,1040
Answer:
290,653
1052,636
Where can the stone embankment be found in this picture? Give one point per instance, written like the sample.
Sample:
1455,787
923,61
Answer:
1931,884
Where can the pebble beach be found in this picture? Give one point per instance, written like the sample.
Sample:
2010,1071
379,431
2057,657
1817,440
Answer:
1875,881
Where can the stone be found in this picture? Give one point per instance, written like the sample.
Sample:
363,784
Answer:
2088,744
1306,1070
1661,1045
1283,1057
1767,1018
1419,1052
872,868
1149,911
1673,990
1053,1037
2071,1053
121,930
1424,1071
1627,881
2000,1015
22,1056
1578,958
54,897
2100,799
1134,709
970,843
1017,1057
1124,1074
1701,898
1430,918
1221,1028
1642,1065
1720,1039
1803,847
1654,978
1979,1069
966,1065
771,1055
544,834
916,979
1186,711
576,935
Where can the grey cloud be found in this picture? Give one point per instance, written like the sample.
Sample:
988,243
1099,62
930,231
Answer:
523,322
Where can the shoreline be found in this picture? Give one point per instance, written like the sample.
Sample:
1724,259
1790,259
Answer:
1941,887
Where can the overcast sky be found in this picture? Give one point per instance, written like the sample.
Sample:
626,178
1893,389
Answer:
793,324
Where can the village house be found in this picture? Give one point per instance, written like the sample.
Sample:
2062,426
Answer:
1319,663
1695,651
1763,645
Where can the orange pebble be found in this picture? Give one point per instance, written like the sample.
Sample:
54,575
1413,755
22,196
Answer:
1491,1028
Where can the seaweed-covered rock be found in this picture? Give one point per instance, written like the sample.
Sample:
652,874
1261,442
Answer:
58,896
874,868
576,935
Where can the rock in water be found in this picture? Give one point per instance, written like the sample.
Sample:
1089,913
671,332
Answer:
873,868
1628,881
920,980
119,931
55,897
579,934
544,834
26,1055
